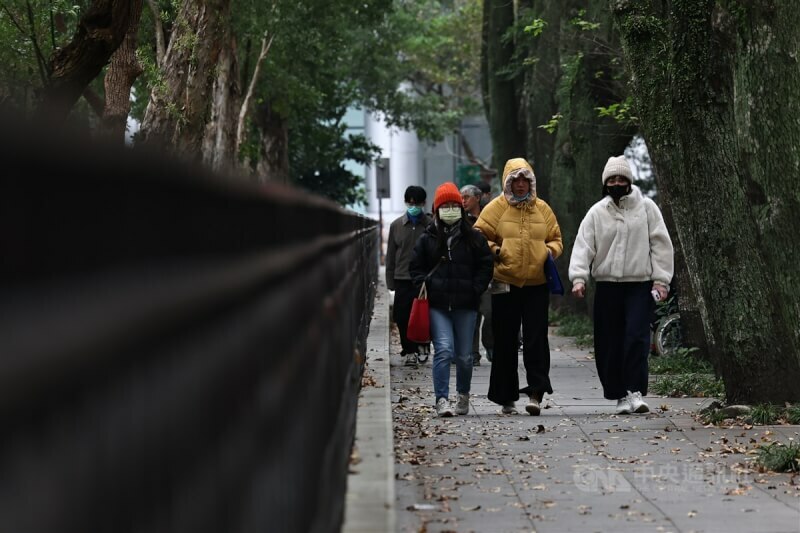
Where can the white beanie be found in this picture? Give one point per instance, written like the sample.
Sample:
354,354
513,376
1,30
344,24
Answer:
617,166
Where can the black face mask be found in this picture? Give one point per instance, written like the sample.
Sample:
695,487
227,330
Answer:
618,191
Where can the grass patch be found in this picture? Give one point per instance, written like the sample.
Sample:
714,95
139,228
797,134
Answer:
715,417
764,414
578,326
778,457
699,385
793,414
683,362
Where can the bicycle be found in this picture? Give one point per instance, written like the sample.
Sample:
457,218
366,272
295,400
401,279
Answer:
667,329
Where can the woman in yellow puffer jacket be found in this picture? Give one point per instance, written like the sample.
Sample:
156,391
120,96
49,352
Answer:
522,230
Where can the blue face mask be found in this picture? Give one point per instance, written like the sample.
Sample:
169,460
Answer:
414,210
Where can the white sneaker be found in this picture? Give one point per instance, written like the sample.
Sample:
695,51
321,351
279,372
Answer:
638,405
509,409
462,405
411,359
624,406
533,406
443,407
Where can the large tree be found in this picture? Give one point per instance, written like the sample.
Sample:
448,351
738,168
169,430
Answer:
505,121
717,90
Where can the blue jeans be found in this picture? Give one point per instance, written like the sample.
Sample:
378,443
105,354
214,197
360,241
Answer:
451,333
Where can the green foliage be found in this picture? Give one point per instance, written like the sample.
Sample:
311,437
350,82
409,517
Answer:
27,44
682,362
619,111
574,325
793,414
536,27
692,384
764,414
778,457
323,171
582,24
551,125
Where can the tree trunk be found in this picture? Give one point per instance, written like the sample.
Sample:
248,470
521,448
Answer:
219,152
718,93
539,94
100,31
180,105
584,78
120,76
273,163
508,137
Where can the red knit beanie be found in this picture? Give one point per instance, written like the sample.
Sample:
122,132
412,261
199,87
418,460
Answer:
447,192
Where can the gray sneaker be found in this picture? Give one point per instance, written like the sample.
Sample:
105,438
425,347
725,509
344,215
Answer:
443,407
411,359
638,405
533,406
509,409
624,406
462,405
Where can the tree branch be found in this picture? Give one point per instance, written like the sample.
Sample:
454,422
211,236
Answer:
161,49
246,103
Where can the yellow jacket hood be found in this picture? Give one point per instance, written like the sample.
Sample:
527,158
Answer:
515,168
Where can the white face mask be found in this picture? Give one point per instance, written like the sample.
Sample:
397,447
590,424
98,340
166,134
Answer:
450,215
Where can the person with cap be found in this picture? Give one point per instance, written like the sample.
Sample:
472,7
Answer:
472,195
454,262
403,234
624,245
522,231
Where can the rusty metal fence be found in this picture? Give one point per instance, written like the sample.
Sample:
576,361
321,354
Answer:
178,352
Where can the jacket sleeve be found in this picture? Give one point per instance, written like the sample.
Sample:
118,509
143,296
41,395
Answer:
583,251
420,261
661,250
484,265
391,254
553,241
487,224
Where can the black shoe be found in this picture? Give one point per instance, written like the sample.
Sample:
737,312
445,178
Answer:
476,362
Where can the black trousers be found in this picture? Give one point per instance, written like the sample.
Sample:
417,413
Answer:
622,312
526,306
404,294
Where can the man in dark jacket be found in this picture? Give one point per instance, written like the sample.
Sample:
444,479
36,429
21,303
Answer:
403,234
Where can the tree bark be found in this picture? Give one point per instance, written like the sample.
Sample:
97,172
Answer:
718,93
120,76
180,105
273,163
99,33
508,136
158,30
219,143
240,123
574,74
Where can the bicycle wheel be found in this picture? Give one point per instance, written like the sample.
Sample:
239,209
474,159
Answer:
669,336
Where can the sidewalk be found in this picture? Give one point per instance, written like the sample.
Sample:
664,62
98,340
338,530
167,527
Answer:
577,467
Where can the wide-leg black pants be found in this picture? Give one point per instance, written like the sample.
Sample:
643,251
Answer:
526,306
622,313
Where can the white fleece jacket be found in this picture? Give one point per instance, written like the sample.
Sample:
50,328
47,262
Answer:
625,243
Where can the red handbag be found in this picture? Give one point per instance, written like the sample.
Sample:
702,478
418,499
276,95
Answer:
419,322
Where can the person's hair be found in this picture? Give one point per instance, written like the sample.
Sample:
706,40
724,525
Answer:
471,190
467,232
484,187
416,193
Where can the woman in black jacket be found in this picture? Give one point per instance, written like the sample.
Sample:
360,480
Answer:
456,265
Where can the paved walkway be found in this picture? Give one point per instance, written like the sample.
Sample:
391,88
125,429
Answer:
577,467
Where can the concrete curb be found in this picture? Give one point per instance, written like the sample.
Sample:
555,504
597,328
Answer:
370,500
